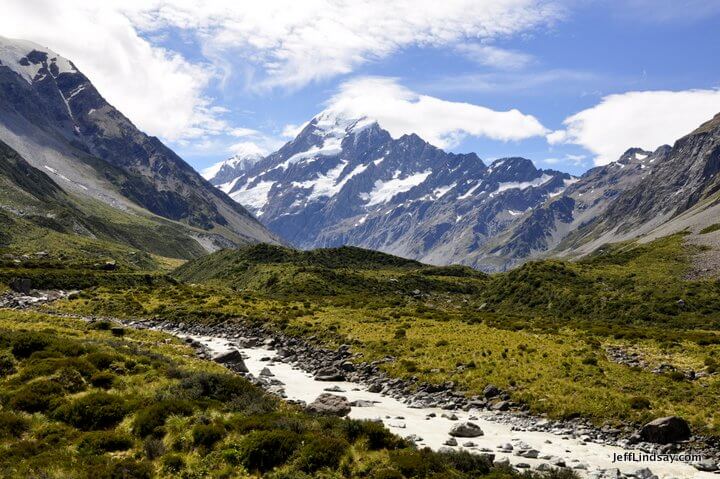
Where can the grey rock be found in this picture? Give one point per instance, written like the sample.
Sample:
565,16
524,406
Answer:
466,429
330,404
665,430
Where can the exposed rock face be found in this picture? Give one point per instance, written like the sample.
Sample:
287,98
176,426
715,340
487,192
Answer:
466,429
330,404
665,430
54,117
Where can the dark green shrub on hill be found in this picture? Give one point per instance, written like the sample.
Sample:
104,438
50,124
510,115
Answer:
321,452
98,410
99,442
12,425
38,396
149,419
24,344
207,435
264,450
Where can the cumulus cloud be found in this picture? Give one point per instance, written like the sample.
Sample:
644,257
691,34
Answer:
644,119
156,88
289,44
441,122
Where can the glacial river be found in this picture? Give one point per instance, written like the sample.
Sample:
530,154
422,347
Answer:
587,458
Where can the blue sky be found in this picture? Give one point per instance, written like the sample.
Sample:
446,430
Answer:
587,79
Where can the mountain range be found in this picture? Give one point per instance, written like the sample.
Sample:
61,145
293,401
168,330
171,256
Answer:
347,181
72,164
56,126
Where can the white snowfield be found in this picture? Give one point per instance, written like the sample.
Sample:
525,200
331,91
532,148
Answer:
433,431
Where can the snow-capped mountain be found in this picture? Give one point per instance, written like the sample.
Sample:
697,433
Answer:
222,173
348,181
52,116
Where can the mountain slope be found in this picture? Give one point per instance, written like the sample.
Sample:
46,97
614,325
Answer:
53,117
345,181
681,193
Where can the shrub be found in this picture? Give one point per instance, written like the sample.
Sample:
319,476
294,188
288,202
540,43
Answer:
121,469
639,402
98,442
25,344
154,447
102,379
98,410
386,473
590,361
38,396
149,419
101,325
102,360
264,450
474,465
225,388
207,434
12,425
378,437
417,463
7,365
173,463
321,452
71,380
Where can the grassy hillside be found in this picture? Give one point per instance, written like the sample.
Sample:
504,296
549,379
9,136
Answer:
540,331
90,401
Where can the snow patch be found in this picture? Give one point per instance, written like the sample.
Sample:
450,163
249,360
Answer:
521,185
255,197
384,191
13,55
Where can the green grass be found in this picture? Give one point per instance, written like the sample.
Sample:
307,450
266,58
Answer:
80,402
538,331
710,229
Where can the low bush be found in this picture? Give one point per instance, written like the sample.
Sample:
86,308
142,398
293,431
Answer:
263,450
102,379
121,469
102,360
7,365
153,447
417,463
207,434
38,396
226,388
151,418
12,425
173,463
474,465
99,442
71,380
321,452
24,344
639,402
377,435
94,411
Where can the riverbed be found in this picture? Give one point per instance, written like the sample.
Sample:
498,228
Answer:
430,426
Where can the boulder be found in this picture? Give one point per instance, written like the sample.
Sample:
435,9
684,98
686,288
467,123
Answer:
330,404
329,374
466,429
665,430
490,391
21,285
232,358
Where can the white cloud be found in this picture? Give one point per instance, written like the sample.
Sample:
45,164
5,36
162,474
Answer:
644,119
442,123
156,88
288,43
492,56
